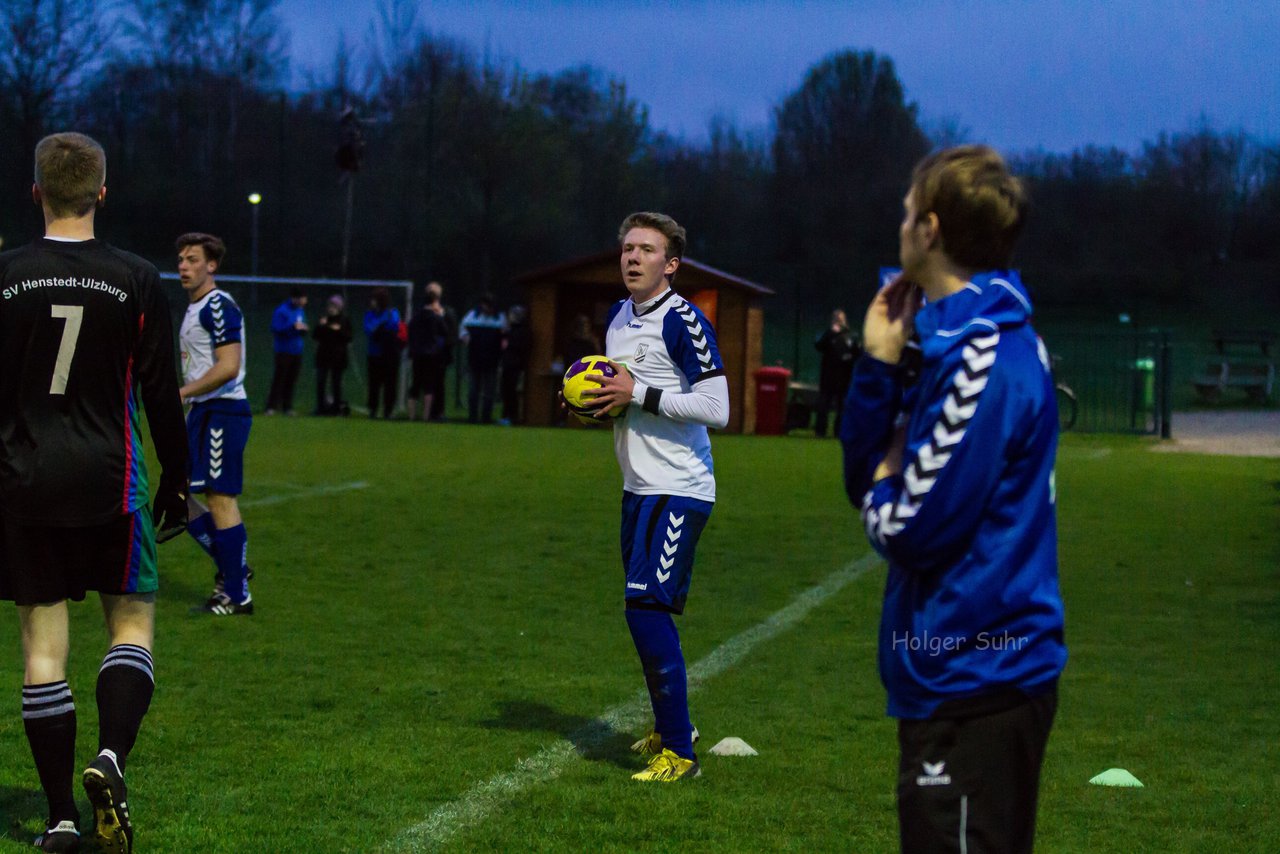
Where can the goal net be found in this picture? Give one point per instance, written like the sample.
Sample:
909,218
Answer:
259,296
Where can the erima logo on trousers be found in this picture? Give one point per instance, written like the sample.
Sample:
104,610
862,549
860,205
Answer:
670,546
933,775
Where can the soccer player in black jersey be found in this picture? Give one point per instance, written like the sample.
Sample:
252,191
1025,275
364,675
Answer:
87,342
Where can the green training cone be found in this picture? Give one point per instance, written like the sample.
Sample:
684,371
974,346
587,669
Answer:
1116,777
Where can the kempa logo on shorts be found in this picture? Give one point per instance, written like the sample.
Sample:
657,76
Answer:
933,775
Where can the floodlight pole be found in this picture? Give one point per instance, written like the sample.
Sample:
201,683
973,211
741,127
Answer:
346,224
255,200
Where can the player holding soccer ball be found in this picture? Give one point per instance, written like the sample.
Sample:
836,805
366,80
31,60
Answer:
669,377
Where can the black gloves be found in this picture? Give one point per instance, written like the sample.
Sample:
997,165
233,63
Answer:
169,511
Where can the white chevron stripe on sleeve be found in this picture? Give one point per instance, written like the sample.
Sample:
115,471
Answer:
958,409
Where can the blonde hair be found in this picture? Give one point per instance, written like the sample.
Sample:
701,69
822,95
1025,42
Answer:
71,170
980,205
660,222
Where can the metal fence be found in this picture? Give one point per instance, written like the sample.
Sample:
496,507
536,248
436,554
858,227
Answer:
1121,381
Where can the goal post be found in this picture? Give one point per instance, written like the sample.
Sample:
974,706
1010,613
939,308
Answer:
258,297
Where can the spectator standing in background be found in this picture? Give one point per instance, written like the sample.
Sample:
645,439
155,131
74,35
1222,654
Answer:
482,330
583,341
516,344
428,350
382,326
333,343
288,335
839,351
451,345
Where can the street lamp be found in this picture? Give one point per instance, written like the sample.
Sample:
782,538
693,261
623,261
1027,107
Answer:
255,199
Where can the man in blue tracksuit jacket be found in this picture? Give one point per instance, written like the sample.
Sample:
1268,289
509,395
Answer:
951,463
288,335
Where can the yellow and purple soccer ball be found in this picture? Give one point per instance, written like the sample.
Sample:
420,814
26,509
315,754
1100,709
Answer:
581,377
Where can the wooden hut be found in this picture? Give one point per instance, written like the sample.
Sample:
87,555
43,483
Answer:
559,296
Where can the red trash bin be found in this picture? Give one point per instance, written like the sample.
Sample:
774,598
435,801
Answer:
771,401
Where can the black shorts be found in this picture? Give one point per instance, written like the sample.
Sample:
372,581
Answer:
40,564
428,375
969,777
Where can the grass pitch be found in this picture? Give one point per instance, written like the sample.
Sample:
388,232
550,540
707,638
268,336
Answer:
439,659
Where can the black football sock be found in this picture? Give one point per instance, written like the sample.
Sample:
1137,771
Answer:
49,717
125,684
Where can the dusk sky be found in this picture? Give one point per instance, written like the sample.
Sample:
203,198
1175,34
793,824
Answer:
1017,75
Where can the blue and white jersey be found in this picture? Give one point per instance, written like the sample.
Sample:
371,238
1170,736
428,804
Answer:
669,346
210,322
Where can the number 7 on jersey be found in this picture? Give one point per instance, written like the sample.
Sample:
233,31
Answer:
73,315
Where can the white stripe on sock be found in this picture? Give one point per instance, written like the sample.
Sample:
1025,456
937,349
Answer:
31,715
36,701
129,655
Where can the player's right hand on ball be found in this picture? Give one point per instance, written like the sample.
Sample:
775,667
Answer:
169,511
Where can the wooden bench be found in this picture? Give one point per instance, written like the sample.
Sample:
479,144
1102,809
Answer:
1255,379
1243,362
1213,381
802,399
1225,339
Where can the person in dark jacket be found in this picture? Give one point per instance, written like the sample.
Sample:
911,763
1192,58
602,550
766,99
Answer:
583,341
839,351
429,353
954,475
482,333
333,342
516,344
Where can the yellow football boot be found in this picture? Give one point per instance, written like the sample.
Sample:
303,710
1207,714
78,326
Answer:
667,767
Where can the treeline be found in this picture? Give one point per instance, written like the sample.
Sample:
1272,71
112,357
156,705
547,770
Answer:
474,170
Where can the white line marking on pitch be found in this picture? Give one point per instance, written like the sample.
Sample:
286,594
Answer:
1095,454
481,800
313,492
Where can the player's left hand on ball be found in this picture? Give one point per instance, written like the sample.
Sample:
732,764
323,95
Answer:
169,511
614,391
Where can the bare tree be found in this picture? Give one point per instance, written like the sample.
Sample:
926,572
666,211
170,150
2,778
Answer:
50,46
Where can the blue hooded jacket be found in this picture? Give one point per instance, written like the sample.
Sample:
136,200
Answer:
285,336
971,602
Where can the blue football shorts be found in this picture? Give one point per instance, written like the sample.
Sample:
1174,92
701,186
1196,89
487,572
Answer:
659,536
217,431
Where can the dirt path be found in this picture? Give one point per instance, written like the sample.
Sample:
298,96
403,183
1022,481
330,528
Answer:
1253,433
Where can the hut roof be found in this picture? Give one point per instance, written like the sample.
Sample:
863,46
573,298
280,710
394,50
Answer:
703,274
